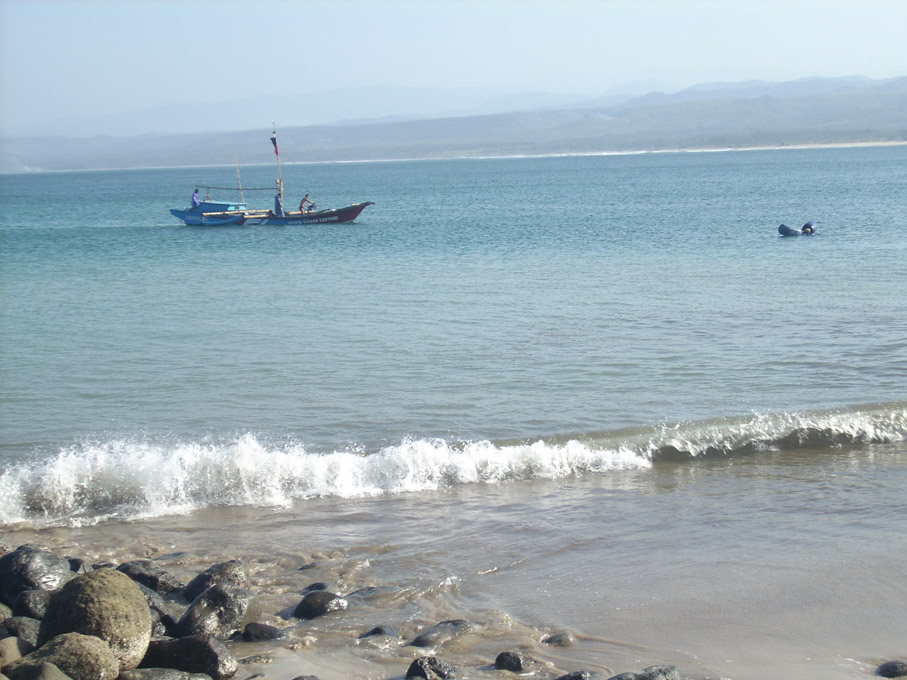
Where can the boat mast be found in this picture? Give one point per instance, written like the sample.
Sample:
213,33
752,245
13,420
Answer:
277,153
242,199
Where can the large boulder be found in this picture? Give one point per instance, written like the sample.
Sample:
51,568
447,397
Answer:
221,610
81,657
232,573
31,567
194,654
106,604
152,576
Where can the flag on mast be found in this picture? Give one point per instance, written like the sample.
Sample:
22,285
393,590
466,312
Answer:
274,142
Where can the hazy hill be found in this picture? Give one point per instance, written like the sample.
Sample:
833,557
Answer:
812,111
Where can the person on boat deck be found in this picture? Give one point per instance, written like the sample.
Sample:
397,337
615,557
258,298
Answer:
306,201
196,201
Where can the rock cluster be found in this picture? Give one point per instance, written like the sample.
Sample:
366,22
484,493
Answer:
62,619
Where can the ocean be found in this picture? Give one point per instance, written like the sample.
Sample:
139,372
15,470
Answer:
590,394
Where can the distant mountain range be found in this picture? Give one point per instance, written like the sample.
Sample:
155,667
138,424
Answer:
720,115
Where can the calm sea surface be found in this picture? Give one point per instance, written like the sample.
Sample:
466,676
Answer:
595,394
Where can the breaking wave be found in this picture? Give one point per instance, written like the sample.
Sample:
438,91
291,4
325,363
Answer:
91,481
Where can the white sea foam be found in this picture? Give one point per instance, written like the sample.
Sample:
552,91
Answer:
88,482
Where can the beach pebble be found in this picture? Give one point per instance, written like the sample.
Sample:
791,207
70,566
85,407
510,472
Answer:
31,567
152,576
320,585
559,640
659,673
440,633
576,675
78,566
429,668
380,631
31,603
221,610
256,632
194,654
892,669
106,604
509,661
651,673
81,657
232,573
318,603
161,674
5,612
13,649
24,627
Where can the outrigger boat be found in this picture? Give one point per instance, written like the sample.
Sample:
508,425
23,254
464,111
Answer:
213,213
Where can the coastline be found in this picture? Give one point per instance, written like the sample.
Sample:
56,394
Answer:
477,156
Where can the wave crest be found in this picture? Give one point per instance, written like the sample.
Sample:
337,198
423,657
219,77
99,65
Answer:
91,481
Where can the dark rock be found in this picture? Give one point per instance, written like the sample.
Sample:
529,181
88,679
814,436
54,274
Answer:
255,632
509,661
161,674
24,627
892,669
624,676
162,624
81,657
440,633
318,603
194,654
31,567
5,612
149,574
78,566
13,649
31,603
306,677
46,671
386,631
221,610
659,673
106,604
559,640
576,675
429,668
232,573
321,585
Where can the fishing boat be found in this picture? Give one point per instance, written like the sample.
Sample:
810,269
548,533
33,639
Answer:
215,213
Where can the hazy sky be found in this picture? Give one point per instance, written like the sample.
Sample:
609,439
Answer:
91,57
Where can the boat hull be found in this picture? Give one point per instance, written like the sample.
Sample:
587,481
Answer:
200,217
331,216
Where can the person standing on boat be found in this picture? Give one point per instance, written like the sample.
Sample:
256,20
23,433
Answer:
196,201
306,201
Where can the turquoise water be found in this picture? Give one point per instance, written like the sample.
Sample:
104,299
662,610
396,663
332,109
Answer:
586,360
478,299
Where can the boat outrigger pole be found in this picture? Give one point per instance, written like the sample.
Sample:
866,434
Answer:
279,201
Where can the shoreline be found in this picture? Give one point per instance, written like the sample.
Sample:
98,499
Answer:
416,159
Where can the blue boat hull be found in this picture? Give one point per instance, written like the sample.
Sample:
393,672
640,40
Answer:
204,216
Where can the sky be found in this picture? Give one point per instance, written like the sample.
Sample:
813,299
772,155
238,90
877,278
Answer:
84,58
